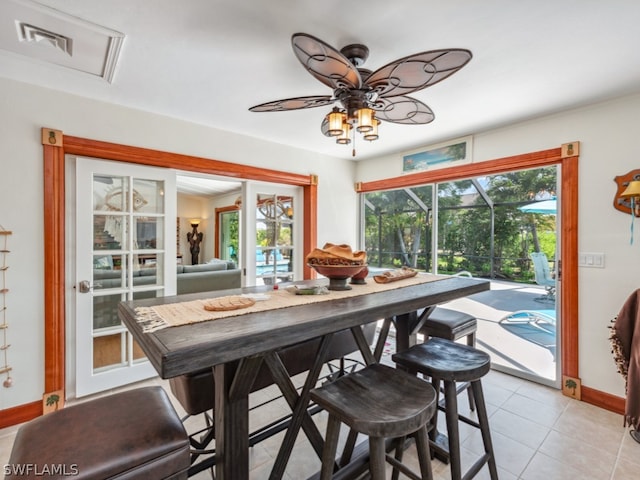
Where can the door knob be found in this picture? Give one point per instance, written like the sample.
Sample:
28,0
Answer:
85,286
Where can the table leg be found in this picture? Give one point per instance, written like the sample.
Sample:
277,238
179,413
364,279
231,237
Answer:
405,337
298,404
232,386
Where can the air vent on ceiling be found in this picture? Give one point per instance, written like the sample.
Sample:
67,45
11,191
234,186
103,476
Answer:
40,36
50,36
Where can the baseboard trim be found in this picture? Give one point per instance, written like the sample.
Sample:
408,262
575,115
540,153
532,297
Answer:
604,400
20,414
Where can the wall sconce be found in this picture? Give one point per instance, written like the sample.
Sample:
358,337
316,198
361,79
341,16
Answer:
627,198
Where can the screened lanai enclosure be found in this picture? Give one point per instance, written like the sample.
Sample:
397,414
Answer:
489,227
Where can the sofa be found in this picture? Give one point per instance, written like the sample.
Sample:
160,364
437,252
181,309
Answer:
214,275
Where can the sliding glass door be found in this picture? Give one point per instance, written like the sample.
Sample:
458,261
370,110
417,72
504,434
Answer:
489,227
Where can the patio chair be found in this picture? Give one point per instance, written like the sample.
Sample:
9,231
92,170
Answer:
536,317
543,276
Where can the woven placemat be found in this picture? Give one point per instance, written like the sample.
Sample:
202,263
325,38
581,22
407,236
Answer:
184,313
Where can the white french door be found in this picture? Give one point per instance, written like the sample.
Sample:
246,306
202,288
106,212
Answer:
125,250
273,224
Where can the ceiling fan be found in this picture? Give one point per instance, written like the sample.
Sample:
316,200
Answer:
367,97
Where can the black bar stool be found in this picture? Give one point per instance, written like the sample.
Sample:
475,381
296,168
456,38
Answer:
381,402
450,362
452,325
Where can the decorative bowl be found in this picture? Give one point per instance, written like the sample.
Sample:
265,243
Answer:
338,274
359,278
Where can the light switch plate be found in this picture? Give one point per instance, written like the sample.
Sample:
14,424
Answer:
591,260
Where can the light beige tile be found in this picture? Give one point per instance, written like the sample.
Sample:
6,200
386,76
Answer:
6,444
569,447
544,394
511,456
495,395
630,450
543,467
626,470
522,430
508,382
593,425
533,410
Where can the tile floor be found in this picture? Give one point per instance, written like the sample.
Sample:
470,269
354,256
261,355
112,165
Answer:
537,434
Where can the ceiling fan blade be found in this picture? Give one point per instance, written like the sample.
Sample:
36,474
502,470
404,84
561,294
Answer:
403,110
325,62
415,72
294,104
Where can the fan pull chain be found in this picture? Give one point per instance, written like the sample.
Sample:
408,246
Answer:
353,136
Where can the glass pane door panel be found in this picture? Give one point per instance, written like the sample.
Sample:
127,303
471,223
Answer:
110,193
115,275
109,351
138,354
148,233
148,294
109,231
105,313
274,238
148,196
229,235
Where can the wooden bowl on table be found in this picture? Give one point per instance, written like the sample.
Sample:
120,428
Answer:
338,274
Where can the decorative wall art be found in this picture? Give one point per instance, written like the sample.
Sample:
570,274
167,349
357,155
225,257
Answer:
449,154
5,368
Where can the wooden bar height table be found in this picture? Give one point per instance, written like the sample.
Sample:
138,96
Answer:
236,346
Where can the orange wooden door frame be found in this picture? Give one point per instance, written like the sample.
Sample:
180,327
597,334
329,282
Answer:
218,211
567,157
56,146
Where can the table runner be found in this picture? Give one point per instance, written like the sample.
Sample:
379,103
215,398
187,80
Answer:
184,313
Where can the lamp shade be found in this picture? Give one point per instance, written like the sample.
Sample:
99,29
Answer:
632,190
373,133
335,120
345,138
366,119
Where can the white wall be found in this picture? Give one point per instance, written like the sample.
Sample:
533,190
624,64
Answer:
608,148
25,109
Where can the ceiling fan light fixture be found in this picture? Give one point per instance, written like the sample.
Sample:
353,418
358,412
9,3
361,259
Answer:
335,120
373,133
367,97
345,134
366,119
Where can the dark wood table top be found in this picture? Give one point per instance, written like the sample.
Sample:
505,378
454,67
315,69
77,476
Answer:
178,350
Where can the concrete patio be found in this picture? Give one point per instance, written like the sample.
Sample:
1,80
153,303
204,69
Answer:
527,349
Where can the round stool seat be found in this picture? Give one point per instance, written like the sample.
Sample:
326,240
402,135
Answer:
445,360
451,324
448,362
379,401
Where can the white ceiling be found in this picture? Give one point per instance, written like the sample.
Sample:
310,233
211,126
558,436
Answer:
208,61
